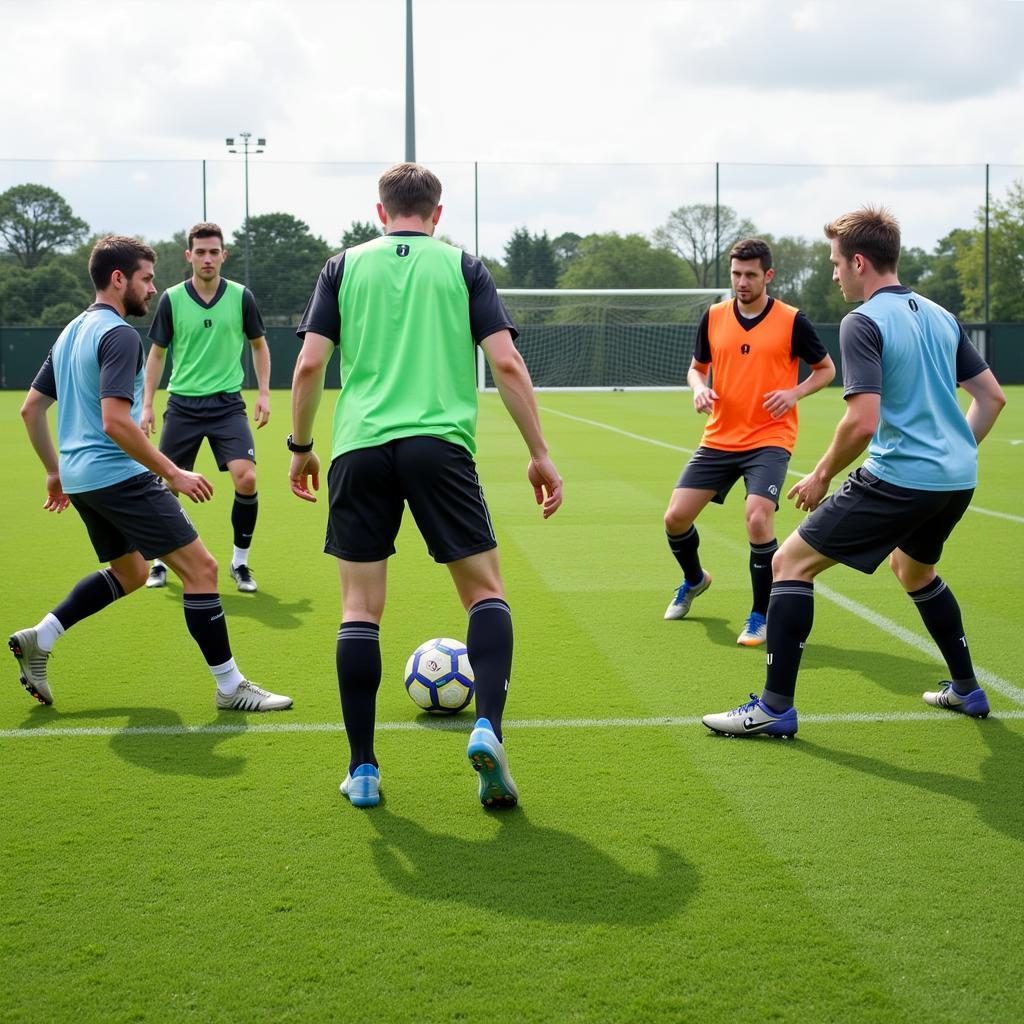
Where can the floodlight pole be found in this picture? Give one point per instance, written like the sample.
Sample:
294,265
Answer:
410,98
257,147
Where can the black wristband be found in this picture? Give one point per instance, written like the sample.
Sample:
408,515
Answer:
300,448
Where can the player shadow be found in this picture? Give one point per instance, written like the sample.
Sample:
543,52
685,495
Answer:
899,674
996,795
719,631
528,871
262,606
170,753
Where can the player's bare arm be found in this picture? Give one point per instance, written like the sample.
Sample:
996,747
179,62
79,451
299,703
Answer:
851,438
261,363
154,371
119,426
34,414
778,403
307,390
987,401
516,390
704,397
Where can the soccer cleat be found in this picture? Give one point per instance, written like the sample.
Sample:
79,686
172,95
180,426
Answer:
250,697
974,703
242,575
487,756
362,787
680,604
755,632
752,718
157,577
31,664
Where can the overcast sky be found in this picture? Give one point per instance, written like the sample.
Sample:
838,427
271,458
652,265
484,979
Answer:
648,95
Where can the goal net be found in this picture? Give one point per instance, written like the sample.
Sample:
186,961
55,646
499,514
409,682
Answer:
605,338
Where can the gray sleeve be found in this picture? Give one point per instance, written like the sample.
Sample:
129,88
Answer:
322,315
44,380
968,359
860,346
161,330
120,357
252,321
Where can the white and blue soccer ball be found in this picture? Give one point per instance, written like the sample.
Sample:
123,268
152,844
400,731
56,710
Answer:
438,676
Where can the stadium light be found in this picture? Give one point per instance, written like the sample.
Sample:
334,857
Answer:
246,146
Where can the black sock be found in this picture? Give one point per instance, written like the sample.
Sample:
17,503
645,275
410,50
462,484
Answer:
243,518
941,615
357,657
761,574
790,617
489,643
684,546
204,616
88,596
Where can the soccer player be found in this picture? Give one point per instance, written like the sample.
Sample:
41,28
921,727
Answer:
204,322
753,344
408,311
111,474
903,357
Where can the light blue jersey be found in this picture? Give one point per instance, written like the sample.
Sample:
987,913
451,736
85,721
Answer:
923,440
89,459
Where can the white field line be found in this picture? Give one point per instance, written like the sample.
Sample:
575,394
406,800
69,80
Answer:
989,679
799,474
466,725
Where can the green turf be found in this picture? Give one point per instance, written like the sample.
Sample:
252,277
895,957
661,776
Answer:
866,871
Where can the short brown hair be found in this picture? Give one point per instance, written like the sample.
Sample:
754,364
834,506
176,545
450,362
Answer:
205,229
752,249
117,252
872,231
408,190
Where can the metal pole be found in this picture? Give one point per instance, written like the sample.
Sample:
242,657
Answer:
248,239
204,190
476,208
718,234
986,245
410,99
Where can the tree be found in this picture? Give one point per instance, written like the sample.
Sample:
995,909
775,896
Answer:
942,282
285,260
613,261
360,231
530,260
794,261
566,246
42,296
690,232
1006,261
35,221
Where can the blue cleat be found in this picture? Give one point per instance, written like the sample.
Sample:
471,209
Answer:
752,718
755,632
679,606
974,704
362,786
487,756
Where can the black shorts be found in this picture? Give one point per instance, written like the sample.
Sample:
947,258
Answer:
712,469
368,487
866,519
221,418
137,514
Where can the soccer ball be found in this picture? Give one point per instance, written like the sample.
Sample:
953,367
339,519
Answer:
438,676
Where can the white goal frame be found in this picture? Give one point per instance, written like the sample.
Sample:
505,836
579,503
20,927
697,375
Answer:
712,294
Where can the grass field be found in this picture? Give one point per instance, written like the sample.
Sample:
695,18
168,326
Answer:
161,861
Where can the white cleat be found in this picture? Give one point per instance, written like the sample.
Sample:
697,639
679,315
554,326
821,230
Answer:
157,577
679,606
32,660
242,575
250,697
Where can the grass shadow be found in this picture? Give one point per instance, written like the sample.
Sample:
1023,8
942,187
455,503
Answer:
718,631
529,871
263,606
899,674
173,752
996,795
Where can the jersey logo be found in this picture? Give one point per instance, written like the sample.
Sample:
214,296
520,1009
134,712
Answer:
207,323
913,305
745,350
402,250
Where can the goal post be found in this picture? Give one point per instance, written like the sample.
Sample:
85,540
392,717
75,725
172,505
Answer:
604,338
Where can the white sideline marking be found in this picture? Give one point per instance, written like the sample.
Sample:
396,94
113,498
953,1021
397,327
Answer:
457,725
989,679
689,451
